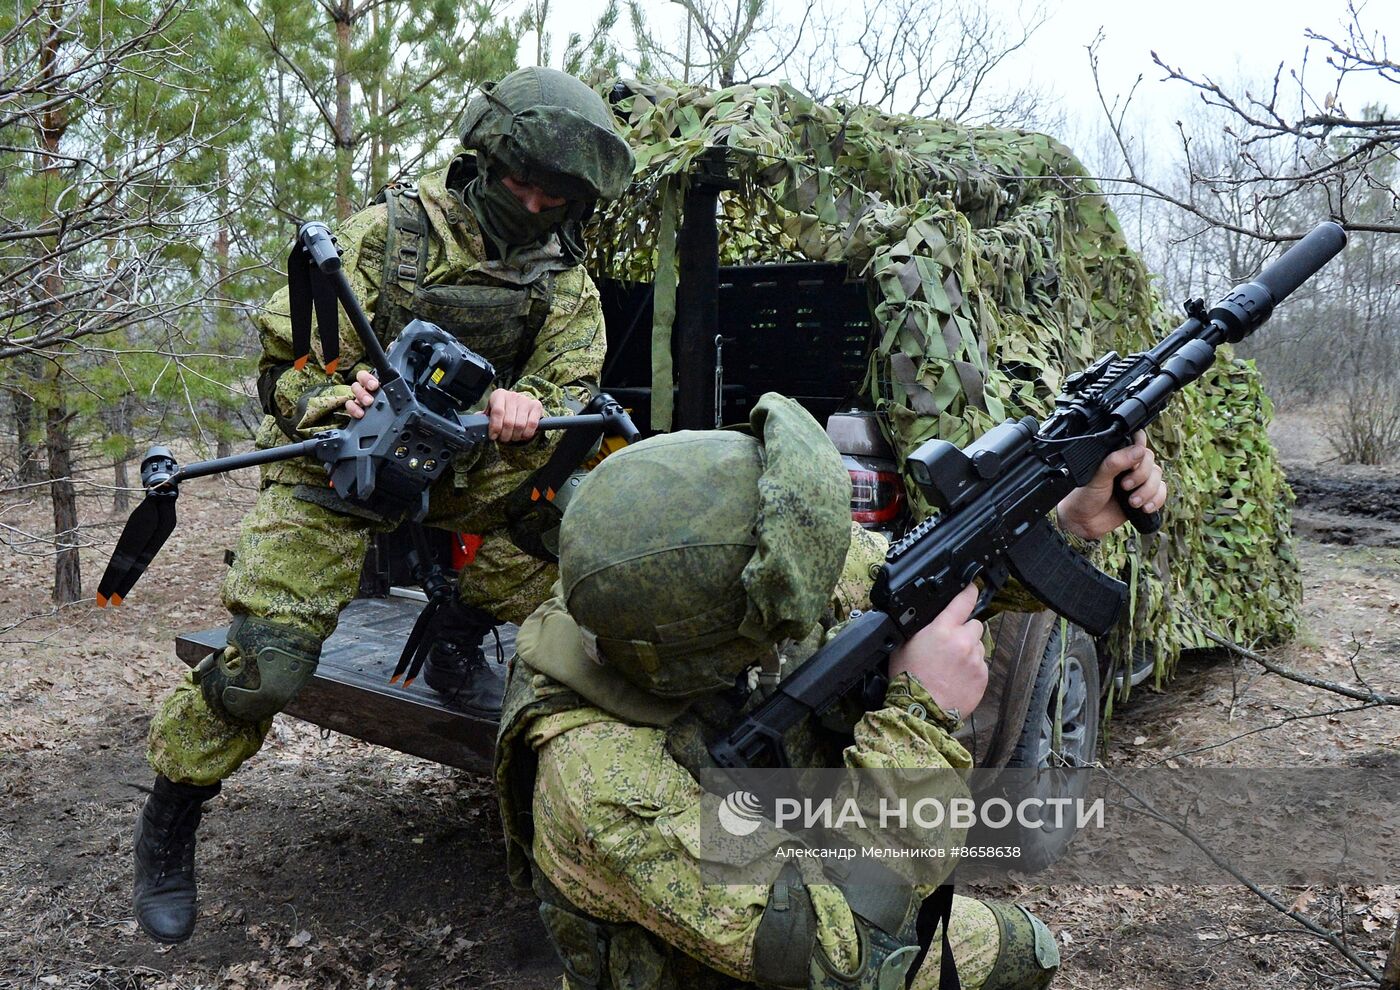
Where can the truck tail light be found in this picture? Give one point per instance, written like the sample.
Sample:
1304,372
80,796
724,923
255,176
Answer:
877,497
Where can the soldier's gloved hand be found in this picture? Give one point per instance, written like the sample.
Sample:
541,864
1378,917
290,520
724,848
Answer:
364,387
947,656
514,415
1092,512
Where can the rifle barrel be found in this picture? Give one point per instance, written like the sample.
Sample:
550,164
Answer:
1303,260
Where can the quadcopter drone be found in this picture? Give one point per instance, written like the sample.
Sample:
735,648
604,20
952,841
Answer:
385,461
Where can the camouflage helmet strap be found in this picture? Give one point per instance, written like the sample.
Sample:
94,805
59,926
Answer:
493,134
481,126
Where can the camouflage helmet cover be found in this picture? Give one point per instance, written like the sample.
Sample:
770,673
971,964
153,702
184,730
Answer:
685,557
545,127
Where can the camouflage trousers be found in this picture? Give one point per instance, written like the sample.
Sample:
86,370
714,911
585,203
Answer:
975,938
973,934
298,563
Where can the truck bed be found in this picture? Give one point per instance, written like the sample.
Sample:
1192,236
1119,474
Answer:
351,693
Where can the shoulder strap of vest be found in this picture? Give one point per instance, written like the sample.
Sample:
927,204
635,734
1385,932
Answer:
405,247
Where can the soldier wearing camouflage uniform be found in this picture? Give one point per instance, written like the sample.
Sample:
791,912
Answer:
488,249
732,545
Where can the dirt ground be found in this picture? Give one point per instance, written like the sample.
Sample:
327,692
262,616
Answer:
332,863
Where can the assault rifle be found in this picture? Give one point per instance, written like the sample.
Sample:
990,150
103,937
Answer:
995,498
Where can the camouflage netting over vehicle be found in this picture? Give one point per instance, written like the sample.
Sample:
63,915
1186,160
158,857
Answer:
994,265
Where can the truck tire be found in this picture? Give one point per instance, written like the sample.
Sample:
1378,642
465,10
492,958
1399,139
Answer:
1041,746
1061,731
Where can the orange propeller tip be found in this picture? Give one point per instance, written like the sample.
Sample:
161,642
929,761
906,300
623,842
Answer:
101,600
395,679
331,366
549,495
116,599
534,494
409,682
300,362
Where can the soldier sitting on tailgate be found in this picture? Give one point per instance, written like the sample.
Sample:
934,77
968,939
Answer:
487,248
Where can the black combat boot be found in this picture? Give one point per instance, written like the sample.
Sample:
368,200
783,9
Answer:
165,895
457,667
465,678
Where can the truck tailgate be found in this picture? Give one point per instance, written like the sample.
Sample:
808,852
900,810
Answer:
351,692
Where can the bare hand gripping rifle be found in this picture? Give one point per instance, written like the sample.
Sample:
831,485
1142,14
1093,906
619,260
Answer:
995,498
385,461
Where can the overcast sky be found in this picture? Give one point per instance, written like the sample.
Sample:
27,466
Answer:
1230,39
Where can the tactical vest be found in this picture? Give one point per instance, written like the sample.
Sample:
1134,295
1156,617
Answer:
498,314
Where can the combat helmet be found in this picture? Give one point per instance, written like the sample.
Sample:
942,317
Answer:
547,128
686,557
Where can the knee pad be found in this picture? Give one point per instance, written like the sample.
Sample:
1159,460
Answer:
262,670
787,953
1028,955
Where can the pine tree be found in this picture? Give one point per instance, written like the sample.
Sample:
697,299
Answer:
364,92
107,201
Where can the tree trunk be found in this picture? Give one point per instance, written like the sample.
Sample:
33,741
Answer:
121,498
67,577
378,149
344,139
223,333
31,469
541,17
121,478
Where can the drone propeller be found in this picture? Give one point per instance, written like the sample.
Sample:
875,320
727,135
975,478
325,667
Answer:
573,447
327,318
145,532
576,444
309,288
440,590
415,651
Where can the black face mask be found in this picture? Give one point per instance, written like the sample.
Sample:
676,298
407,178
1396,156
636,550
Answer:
506,221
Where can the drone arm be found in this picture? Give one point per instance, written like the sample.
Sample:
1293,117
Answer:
610,422
202,469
